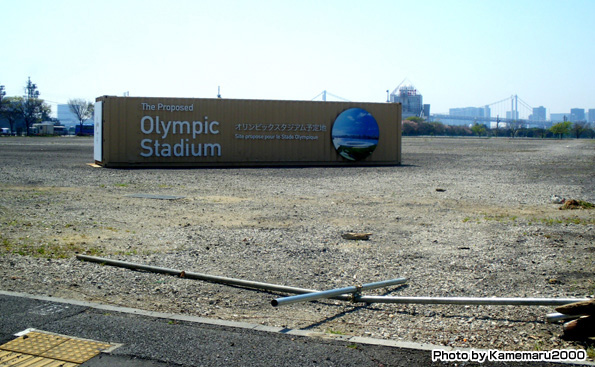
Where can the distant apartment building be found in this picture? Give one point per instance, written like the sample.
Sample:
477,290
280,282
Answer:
559,117
411,102
468,115
539,114
591,115
512,115
577,114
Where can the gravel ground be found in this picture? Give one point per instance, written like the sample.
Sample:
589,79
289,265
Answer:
460,217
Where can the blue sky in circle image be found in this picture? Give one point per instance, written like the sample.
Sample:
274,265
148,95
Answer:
355,134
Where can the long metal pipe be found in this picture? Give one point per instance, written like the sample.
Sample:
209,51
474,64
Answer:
192,275
206,277
470,300
335,292
363,299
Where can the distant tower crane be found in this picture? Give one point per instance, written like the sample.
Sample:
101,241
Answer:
324,93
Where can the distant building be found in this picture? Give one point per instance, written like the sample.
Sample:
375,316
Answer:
411,101
591,115
480,115
512,115
559,117
577,114
426,110
539,114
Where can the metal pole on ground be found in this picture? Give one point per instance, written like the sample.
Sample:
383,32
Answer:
192,275
343,297
335,292
211,278
469,300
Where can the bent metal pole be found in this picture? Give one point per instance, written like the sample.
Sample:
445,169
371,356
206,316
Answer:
336,292
362,299
207,277
192,275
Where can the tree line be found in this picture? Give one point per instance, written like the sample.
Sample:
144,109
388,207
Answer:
22,112
417,126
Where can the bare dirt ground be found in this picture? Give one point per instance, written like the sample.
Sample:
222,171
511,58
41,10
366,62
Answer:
460,217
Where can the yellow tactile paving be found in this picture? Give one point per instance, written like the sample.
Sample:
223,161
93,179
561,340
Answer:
34,343
8,358
75,350
39,349
13,359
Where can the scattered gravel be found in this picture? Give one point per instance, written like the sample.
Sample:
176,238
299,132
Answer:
460,217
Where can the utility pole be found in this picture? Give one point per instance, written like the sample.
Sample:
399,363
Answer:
32,107
31,89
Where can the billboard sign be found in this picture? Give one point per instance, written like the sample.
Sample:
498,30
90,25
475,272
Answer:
139,131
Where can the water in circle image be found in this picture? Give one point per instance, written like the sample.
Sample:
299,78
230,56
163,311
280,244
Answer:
355,134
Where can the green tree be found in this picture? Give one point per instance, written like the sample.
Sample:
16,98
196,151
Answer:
561,128
514,126
537,132
578,128
478,129
12,110
415,119
34,109
82,109
438,128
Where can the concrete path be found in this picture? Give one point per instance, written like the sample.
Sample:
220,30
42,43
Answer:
155,339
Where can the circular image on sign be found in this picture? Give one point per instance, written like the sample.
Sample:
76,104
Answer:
355,134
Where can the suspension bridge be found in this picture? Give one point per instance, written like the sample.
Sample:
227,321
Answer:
508,110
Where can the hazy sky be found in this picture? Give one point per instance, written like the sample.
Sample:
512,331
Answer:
456,53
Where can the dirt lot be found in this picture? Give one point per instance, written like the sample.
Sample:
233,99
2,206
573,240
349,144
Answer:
460,217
